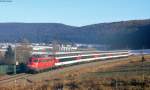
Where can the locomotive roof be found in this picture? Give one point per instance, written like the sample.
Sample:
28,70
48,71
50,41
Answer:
40,56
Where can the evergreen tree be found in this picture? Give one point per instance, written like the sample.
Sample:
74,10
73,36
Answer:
9,55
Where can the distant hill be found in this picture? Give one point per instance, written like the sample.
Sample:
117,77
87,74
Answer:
133,34
34,32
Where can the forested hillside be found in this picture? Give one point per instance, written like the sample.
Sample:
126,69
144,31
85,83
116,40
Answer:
133,34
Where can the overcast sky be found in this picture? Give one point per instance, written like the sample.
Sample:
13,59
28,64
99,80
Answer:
73,12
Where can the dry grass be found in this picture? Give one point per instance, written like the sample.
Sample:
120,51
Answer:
90,78
90,83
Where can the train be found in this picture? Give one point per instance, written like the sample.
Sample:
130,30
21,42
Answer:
39,62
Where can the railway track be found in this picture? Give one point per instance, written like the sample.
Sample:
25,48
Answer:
13,78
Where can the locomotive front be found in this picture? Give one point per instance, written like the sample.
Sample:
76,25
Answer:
32,64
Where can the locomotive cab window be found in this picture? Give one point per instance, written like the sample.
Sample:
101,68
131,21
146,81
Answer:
45,60
35,60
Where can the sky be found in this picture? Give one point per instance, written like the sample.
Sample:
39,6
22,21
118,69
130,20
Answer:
73,12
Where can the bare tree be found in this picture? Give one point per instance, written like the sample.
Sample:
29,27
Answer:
23,51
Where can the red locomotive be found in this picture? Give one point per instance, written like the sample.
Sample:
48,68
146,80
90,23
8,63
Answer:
41,62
